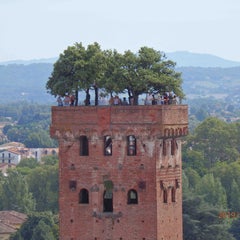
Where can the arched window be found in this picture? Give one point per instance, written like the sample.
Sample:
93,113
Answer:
132,197
83,146
107,146
131,146
83,196
165,195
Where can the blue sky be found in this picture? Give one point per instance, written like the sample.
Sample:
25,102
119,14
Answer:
33,29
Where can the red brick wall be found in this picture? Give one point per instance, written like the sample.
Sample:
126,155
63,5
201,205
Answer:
152,171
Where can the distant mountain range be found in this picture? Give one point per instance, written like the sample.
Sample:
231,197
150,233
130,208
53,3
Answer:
203,75
32,61
182,58
188,59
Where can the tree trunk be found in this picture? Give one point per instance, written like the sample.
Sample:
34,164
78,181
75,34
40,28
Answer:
76,97
96,95
135,98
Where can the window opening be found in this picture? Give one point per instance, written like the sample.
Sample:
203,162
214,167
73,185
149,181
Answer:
108,201
131,145
164,148
173,194
108,196
72,185
132,197
165,195
83,146
107,146
83,196
173,146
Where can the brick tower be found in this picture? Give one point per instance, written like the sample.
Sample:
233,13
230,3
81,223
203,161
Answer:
120,171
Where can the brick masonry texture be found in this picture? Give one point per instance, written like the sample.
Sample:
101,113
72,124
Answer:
154,173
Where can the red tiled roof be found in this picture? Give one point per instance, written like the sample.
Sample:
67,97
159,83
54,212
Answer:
12,217
6,229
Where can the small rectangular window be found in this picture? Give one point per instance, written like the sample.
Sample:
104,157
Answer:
83,146
107,146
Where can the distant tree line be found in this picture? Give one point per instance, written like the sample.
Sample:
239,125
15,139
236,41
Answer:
32,188
211,181
27,123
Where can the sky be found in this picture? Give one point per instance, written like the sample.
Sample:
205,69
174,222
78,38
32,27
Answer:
35,29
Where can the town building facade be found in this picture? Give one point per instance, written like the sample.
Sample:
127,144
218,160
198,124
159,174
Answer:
120,171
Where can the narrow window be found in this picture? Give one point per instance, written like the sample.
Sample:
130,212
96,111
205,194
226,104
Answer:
173,194
165,195
83,196
131,145
72,185
108,201
107,146
173,146
108,196
132,197
83,146
164,148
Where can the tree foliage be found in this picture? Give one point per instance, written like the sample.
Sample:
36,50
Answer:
80,68
15,193
39,226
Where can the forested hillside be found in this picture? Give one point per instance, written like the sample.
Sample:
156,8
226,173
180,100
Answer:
28,82
25,82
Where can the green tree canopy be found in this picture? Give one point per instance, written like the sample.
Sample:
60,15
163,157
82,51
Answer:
16,195
39,226
80,68
216,140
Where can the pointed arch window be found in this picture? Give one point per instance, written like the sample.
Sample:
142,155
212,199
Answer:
132,197
131,145
107,145
83,196
84,146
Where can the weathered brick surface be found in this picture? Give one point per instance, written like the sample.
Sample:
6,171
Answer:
156,168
